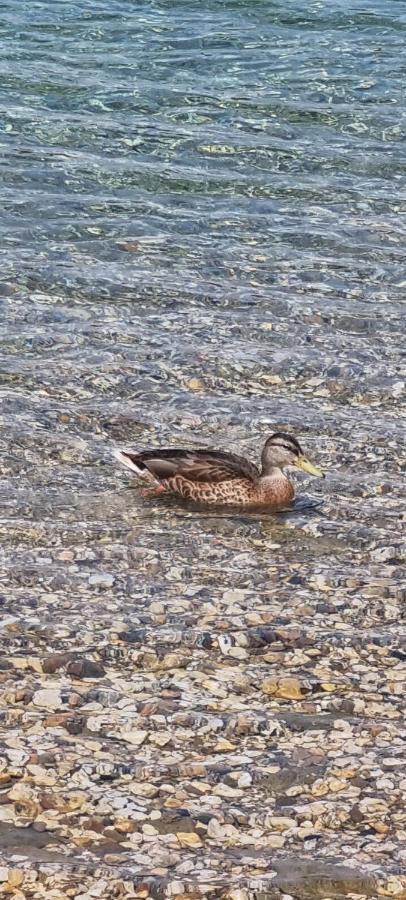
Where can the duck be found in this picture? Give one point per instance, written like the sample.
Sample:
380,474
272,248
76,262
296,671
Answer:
221,478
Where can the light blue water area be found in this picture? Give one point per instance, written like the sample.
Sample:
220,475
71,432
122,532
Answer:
208,126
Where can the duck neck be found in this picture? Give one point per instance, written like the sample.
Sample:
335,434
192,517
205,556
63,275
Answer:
273,472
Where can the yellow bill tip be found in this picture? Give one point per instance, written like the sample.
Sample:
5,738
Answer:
303,463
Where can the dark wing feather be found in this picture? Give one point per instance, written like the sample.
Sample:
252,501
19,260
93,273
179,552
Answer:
196,465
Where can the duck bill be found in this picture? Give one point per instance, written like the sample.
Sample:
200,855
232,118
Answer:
303,463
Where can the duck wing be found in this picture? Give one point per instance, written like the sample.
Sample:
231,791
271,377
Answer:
204,466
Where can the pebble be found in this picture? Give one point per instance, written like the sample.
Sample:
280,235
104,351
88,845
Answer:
276,841
85,668
47,698
289,688
282,823
101,579
135,737
244,780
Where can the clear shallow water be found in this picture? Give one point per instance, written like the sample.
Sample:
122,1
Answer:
201,239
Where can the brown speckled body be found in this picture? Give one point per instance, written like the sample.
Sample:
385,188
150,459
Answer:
269,492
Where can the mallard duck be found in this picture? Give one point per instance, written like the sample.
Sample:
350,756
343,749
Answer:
216,478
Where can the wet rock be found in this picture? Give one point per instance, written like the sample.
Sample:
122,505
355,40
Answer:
75,725
101,580
285,687
282,823
318,879
135,737
133,636
47,698
54,662
85,668
189,839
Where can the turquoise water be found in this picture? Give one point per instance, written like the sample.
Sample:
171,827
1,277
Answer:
202,239
219,132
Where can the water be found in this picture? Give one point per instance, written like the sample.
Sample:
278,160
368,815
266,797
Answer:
201,240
